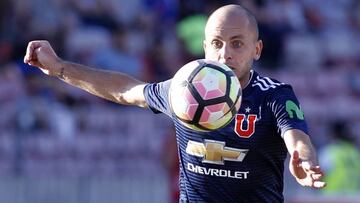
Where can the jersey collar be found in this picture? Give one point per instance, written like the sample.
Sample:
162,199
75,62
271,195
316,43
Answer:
247,87
250,80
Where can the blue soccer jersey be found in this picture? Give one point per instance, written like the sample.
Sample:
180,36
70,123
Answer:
244,161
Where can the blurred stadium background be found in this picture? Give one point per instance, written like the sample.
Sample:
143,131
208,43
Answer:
60,144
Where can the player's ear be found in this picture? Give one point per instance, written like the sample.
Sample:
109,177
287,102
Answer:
258,49
204,46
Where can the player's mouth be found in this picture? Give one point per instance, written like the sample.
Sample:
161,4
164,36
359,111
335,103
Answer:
232,68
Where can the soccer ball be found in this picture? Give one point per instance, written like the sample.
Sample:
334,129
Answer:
205,95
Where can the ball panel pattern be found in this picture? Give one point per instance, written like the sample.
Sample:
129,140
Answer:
184,105
206,96
210,83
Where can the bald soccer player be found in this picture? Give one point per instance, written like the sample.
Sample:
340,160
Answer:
250,151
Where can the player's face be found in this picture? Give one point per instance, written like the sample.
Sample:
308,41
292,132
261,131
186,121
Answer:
232,44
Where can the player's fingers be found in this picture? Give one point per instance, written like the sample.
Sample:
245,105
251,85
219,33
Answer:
307,166
316,169
30,50
319,184
317,176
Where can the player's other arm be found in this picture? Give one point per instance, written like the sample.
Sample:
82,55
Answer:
114,86
303,164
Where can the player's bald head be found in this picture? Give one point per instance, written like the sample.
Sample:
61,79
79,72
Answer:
232,17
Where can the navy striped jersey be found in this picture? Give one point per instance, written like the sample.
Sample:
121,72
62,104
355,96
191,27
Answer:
243,161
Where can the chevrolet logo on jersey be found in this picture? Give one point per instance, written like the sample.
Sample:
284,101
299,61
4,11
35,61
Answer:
215,152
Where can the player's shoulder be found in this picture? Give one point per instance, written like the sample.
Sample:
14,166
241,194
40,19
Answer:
267,84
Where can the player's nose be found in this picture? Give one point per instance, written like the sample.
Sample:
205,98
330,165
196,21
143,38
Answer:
225,55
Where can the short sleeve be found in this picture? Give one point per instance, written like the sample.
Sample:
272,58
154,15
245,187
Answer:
156,96
286,110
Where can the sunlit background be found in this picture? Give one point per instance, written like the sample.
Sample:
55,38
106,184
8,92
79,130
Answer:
59,144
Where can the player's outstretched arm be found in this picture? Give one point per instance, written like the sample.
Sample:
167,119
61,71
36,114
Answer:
303,162
114,86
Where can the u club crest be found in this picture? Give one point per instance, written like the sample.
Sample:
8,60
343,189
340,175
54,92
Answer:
245,123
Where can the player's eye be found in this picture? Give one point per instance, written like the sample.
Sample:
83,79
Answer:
217,44
236,44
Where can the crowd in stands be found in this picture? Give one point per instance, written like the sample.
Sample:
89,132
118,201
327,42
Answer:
48,127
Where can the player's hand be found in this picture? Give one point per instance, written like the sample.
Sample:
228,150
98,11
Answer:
42,55
305,173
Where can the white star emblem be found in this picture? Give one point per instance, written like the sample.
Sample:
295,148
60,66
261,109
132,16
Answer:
247,109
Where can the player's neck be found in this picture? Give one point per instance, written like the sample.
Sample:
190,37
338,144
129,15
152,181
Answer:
246,79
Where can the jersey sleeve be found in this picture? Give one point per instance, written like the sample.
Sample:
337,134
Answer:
156,96
286,110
